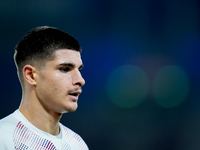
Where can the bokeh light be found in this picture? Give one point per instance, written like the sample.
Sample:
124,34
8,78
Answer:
127,86
171,86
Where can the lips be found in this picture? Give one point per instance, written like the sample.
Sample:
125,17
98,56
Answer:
74,94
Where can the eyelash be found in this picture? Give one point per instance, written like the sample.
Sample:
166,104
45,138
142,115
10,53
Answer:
64,69
67,69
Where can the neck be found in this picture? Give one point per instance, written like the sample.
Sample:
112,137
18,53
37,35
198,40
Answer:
43,119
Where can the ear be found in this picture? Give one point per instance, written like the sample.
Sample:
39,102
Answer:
29,73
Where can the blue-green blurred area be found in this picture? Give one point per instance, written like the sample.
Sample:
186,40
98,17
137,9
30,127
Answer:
142,68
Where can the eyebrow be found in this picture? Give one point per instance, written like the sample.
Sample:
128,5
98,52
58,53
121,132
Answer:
71,65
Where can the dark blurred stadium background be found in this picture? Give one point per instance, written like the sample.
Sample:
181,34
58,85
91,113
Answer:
142,68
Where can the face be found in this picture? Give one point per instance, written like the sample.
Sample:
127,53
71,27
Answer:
59,83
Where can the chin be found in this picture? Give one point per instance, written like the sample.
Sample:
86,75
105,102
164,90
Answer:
68,110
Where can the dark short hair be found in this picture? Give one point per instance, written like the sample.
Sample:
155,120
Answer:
39,45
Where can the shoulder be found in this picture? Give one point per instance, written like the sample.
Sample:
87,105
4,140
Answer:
69,133
72,139
7,123
7,126
6,142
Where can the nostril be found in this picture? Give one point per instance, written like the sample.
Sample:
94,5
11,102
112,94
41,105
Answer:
79,84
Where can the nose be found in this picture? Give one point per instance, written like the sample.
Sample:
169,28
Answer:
78,79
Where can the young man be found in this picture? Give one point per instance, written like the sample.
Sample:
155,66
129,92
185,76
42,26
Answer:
48,65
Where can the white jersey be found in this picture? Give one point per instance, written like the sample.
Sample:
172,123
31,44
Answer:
17,133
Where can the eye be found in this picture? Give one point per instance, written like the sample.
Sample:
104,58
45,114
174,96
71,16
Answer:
64,69
80,70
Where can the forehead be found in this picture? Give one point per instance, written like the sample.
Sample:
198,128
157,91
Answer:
67,55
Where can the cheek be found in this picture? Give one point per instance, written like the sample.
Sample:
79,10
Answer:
61,82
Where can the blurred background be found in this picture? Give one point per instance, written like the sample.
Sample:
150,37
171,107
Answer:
141,61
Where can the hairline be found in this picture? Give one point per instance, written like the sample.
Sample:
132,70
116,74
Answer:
38,64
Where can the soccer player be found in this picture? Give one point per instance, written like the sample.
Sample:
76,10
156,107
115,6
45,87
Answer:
48,64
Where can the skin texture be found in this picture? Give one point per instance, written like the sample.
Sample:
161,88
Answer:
52,91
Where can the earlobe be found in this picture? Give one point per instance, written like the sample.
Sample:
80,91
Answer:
29,73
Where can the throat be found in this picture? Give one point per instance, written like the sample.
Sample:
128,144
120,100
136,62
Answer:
44,121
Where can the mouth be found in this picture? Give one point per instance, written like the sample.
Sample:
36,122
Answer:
74,95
